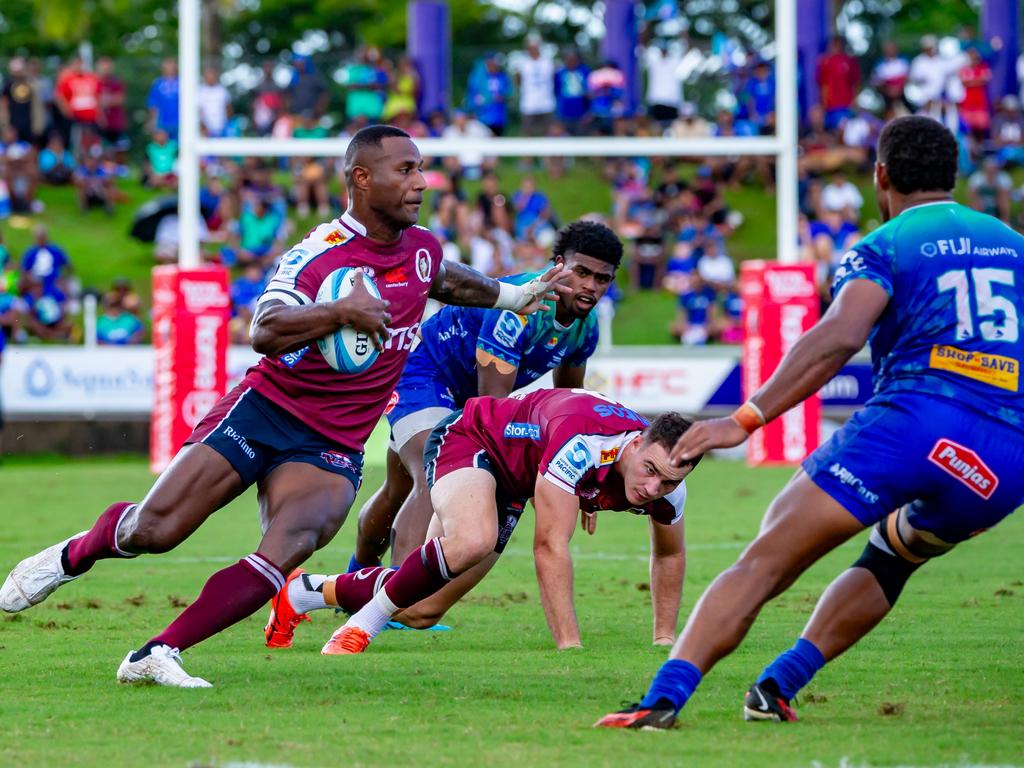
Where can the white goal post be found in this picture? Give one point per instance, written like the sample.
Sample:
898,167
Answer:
782,146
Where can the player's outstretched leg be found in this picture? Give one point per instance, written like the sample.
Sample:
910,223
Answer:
410,526
302,508
852,605
171,511
801,525
464,502
373,535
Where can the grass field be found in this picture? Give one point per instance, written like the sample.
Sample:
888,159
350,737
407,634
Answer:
938,683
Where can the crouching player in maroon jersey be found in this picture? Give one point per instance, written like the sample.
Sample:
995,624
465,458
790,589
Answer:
569,450
294,426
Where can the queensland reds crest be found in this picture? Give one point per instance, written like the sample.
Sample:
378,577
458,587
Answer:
423,265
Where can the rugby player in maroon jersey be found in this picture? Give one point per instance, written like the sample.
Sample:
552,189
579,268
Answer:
294,426
569,450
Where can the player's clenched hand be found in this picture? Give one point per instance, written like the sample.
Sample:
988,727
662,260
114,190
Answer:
588,522
365,312
544,289
705,436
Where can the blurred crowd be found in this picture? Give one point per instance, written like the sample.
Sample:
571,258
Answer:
76,127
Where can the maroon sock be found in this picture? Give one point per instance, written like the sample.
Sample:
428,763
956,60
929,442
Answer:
421,575
229,596
353,590
99,543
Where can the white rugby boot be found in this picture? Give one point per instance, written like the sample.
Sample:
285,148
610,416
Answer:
35,578
162,666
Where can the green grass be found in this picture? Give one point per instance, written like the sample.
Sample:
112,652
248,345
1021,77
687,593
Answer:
948,664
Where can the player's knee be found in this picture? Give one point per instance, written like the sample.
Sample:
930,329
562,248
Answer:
883,561
151,534
465,549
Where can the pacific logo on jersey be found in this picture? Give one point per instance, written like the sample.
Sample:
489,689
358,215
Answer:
509,328
965,465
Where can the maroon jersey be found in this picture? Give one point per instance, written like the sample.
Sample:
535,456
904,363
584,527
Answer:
573,438
346,407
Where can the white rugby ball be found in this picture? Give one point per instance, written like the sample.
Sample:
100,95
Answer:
346,350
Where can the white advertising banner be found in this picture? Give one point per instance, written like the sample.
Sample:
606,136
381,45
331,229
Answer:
109,381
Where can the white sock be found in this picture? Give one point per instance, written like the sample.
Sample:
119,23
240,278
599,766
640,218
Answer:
305,593
372,617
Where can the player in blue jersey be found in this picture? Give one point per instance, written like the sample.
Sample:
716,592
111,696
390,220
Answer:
465,353
933,458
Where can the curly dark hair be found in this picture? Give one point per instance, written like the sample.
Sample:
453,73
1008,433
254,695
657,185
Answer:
919,154
589,238
666,429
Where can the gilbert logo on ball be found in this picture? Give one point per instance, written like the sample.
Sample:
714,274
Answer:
347,350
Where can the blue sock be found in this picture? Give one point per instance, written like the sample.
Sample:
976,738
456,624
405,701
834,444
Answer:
354,565
793,669
675,682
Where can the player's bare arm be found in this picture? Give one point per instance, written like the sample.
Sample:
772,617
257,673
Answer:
495,377
556,522
458,284
278,328
667,570
807,367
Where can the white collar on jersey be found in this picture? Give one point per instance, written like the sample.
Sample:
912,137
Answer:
350,221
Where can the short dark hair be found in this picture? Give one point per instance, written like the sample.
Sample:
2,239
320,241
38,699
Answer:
370,136
591,239
919,154
666,429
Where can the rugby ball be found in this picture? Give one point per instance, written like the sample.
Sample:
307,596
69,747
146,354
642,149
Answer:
346,350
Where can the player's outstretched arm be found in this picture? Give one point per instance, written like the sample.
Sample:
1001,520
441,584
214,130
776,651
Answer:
458,284
556,522
278,328
811,363
668,568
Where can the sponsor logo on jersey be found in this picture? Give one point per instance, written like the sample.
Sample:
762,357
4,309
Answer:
995,370
291,358
508,328
392,402
517,430
609,456
246,448
396,278
292,263
551,343
962,246
965,465
846,477
571,462
339,460
620,411
337,237
423,265
850,263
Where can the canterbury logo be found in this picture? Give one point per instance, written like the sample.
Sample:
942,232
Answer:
965,465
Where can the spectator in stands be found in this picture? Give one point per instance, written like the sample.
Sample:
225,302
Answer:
532,209
571,105
117,326
160,169
310,174
19,168
258,233
535,76
403,92
606,91
112,116
268,104
94,184
42,310
56,163
45,261
975,109
839,81
758,98
832,235
989,189
664,84
1008,132
162,101
929,73
77,95
733,169
492,205
214,104
470,163
366,85
842,195
689,124
859,137
889,77
21,104
489,90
